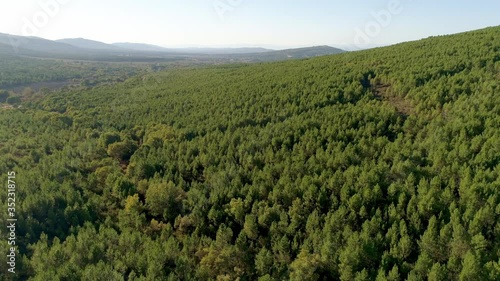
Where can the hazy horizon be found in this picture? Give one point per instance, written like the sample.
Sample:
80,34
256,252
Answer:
229,46
242,23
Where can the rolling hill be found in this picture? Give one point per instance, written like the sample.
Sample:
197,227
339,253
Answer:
83,43
30,45
141,47
204,51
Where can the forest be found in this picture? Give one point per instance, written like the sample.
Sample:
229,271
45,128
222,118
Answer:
18,72
381,164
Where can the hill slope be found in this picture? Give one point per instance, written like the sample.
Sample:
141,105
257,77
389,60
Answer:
375,165
141,47
89,44
206,51
23,44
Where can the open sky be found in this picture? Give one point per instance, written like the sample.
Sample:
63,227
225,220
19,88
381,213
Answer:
232,23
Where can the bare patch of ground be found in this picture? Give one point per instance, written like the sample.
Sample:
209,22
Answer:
403,106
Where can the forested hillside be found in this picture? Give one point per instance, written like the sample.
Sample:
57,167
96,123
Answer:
375,165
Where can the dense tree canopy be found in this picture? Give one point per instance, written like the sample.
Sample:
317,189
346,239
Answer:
375,165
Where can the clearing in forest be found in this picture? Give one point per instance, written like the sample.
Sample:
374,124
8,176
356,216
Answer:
382,93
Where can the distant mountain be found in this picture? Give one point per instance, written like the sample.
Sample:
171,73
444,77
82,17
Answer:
21,44
141,47
89,44
196,50
223,51
6,49
77,48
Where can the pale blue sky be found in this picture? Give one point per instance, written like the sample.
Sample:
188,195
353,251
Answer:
269,23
